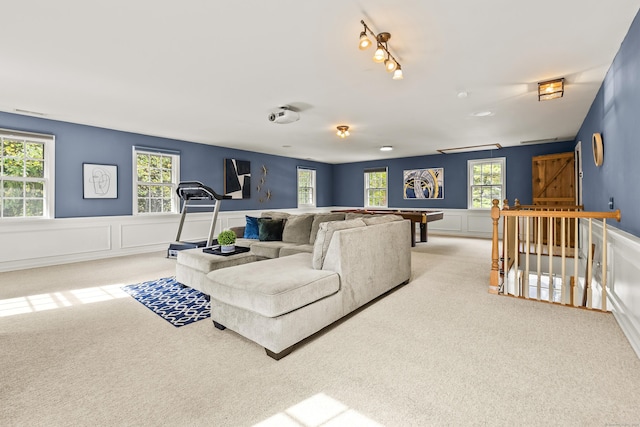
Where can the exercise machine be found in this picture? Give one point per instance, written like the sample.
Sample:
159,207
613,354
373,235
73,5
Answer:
195,191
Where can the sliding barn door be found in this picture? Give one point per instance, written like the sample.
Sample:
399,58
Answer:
554,184
554,179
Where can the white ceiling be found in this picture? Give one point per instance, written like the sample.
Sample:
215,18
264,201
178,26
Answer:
211,71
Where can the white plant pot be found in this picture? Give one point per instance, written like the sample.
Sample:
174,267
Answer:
225,249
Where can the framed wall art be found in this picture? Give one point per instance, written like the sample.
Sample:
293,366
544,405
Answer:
237,178
420,184
99,181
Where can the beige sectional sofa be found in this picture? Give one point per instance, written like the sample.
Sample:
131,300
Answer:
301,286
298,235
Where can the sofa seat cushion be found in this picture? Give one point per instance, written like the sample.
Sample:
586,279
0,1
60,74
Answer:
296,249
278,287
241,241
269,249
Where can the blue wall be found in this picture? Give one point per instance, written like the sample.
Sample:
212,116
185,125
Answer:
615,113
78,144
349,178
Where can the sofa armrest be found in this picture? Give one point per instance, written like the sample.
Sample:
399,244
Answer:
370,260
238,230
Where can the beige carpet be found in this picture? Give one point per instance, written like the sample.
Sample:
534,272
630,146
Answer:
438,351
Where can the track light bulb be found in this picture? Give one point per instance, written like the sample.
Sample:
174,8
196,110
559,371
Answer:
379,55
390,65
397,74
364,41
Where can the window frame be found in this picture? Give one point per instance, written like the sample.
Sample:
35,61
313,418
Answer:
313,187
367,188
470,186
175,179
49,186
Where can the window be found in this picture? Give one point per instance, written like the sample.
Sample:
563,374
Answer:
375,188
306,187
486,182
26,175
157,179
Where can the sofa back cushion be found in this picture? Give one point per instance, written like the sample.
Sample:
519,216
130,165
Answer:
297,229
381,219
275,214
354,215
270,229
325,233
320,218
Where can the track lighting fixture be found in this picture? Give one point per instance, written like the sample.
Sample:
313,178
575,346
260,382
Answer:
343,131
382,54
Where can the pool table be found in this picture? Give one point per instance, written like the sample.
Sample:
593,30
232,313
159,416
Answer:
416,217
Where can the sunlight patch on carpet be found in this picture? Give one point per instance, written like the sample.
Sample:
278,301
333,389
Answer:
171,301
53,300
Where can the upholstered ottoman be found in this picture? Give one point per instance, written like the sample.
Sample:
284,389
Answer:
193,265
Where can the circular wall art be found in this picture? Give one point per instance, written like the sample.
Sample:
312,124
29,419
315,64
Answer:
596,142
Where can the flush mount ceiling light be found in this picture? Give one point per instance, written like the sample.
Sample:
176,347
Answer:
382,53
343,131
386,148
482,114
551,89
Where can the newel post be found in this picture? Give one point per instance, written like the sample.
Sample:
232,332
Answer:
494,278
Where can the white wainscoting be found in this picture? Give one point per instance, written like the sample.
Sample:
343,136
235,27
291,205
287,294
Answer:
463,222
29,244
39,243
623,276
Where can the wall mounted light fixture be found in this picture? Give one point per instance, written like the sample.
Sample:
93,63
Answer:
551,89
343,131
382,53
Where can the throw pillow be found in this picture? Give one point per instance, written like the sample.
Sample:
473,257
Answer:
297,229
251,228
325,233
270,229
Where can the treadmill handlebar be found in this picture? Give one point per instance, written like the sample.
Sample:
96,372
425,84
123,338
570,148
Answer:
195,190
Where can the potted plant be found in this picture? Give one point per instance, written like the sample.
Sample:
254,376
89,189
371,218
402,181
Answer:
227,240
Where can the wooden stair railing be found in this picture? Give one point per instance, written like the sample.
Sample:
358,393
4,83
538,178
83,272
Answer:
560,238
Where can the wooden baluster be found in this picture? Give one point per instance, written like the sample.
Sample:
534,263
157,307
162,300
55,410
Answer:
563,250
494,277
539,256
574,288
516,246
526,262
589,275
550,243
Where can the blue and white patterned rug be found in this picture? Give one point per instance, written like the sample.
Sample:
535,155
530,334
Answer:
169,300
